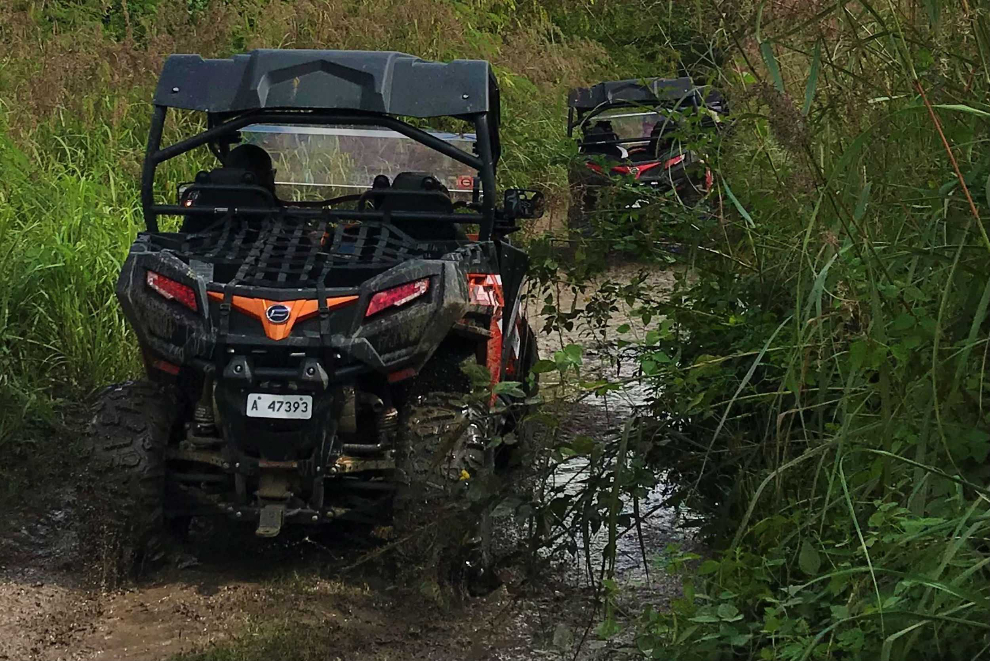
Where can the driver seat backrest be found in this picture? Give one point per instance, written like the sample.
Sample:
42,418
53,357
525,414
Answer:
426,195
225,187
662,137
601,139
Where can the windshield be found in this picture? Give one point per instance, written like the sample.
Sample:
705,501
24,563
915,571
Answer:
322,162
628,125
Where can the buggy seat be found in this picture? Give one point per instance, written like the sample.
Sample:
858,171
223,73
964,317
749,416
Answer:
422,192
224,187
601,139
662,136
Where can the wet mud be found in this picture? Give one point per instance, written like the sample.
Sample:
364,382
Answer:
229,586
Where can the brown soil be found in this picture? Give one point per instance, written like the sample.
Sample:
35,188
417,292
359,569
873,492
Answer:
243,587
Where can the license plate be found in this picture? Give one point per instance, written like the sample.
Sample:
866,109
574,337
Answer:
281,407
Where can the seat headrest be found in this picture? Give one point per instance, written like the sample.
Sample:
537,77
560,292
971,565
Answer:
417,181
226,176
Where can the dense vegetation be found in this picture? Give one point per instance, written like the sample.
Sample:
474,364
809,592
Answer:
819,373
819,370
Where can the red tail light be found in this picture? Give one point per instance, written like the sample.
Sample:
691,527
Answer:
172,290
167,367
396,296
636,171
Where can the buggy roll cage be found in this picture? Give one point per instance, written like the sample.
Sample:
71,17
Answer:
483,162
362,88
585,103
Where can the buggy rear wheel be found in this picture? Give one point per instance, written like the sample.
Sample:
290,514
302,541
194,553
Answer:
446,494
128,434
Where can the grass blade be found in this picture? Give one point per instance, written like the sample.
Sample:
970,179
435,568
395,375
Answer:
809,91
766,50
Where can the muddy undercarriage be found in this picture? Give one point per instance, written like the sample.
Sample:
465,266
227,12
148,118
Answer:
353,477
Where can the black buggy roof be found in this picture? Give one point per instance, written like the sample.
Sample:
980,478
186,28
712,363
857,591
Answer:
368,81
638,91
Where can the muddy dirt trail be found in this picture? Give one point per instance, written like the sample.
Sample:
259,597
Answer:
240,589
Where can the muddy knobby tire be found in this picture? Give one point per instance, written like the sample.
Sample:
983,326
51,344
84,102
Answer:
128,436
440,508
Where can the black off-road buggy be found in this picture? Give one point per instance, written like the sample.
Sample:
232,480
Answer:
633,130
306,317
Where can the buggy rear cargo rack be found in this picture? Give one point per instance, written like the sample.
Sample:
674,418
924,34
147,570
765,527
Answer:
288,254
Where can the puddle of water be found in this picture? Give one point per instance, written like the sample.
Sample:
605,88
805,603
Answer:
603,418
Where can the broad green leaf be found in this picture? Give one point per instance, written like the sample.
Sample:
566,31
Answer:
728,612
858,352
511,388
574,351
740,639
583,445
687,633
839,612
808,559
902,322
544,366
708,567
568,356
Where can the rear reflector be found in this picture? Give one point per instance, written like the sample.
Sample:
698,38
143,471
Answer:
172,290
401,375
396,296
167,367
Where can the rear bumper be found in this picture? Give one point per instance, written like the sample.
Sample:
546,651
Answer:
211,337
339,482
297,516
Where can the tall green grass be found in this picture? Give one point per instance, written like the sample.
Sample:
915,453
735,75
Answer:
66,229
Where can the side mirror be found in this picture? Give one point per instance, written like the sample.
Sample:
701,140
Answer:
523,203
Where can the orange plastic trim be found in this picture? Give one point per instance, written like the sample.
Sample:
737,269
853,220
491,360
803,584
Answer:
298,311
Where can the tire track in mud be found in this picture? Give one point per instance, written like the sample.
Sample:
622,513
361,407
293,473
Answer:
243,588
